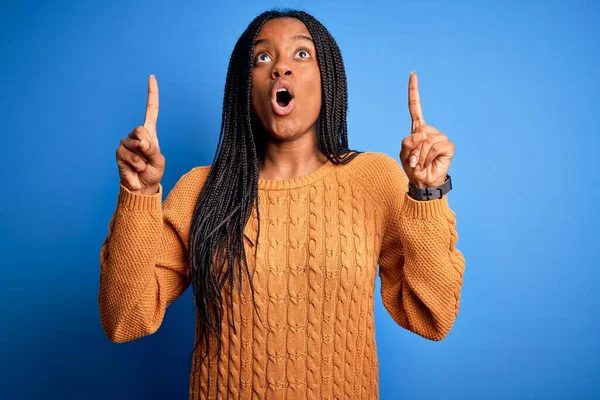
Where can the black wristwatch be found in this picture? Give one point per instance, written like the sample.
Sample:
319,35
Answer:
430,193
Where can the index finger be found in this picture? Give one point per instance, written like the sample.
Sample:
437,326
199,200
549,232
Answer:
152,105
414,101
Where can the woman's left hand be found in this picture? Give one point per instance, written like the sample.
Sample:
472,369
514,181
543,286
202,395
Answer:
426,153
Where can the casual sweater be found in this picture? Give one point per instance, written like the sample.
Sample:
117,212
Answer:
322,236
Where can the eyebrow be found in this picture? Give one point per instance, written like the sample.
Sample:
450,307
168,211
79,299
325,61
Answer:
297,37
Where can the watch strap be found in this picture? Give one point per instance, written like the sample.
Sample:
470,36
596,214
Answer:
430,193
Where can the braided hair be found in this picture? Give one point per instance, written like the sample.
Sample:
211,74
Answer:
226,200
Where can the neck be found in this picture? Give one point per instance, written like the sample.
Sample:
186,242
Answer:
290,159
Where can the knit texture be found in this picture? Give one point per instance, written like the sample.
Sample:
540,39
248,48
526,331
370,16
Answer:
321,238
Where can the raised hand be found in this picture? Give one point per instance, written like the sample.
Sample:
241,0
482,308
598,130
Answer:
426,153
140,162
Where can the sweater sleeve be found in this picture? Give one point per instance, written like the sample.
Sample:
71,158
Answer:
144,264
421,270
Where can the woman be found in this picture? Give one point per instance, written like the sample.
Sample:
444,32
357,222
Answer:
280,237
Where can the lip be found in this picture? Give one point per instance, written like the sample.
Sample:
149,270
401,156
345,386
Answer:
277,109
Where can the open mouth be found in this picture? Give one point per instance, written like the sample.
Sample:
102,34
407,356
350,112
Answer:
283,97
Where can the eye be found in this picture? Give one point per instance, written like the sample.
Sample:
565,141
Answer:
262,57
303,53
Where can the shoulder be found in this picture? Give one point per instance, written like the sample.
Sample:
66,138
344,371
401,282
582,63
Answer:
186,190
373,162
376,169
195,177
380,174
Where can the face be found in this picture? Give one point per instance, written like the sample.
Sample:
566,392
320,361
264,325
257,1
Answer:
285,60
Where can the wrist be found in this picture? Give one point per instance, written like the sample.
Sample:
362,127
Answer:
432,185
150,190
430,192
147,191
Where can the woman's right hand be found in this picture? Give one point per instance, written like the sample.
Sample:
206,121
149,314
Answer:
141,164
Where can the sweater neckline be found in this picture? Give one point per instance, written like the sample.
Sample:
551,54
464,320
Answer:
307,179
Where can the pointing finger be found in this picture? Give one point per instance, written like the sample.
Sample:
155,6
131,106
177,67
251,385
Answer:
414,101
152,105
426,128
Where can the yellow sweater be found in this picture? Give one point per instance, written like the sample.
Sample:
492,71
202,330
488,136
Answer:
322,237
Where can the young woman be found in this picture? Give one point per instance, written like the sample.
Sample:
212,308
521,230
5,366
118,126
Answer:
281,236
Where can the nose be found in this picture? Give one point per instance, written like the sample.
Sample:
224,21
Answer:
281,69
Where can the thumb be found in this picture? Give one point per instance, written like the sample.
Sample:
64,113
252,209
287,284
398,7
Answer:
150,149
410,145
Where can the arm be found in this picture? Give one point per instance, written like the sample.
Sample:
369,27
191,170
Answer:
144,265
421,270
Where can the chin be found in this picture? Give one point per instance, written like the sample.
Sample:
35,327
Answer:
284,127
284,130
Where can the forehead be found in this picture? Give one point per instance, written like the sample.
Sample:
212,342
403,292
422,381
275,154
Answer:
282,29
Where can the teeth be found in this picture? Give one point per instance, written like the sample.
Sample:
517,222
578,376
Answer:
282,90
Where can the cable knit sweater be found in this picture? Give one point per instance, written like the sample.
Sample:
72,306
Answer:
322,237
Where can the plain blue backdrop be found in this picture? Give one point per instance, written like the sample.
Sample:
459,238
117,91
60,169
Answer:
514,86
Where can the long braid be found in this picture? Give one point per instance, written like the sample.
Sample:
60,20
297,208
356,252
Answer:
225,203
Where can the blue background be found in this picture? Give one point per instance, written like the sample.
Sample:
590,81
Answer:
515,87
